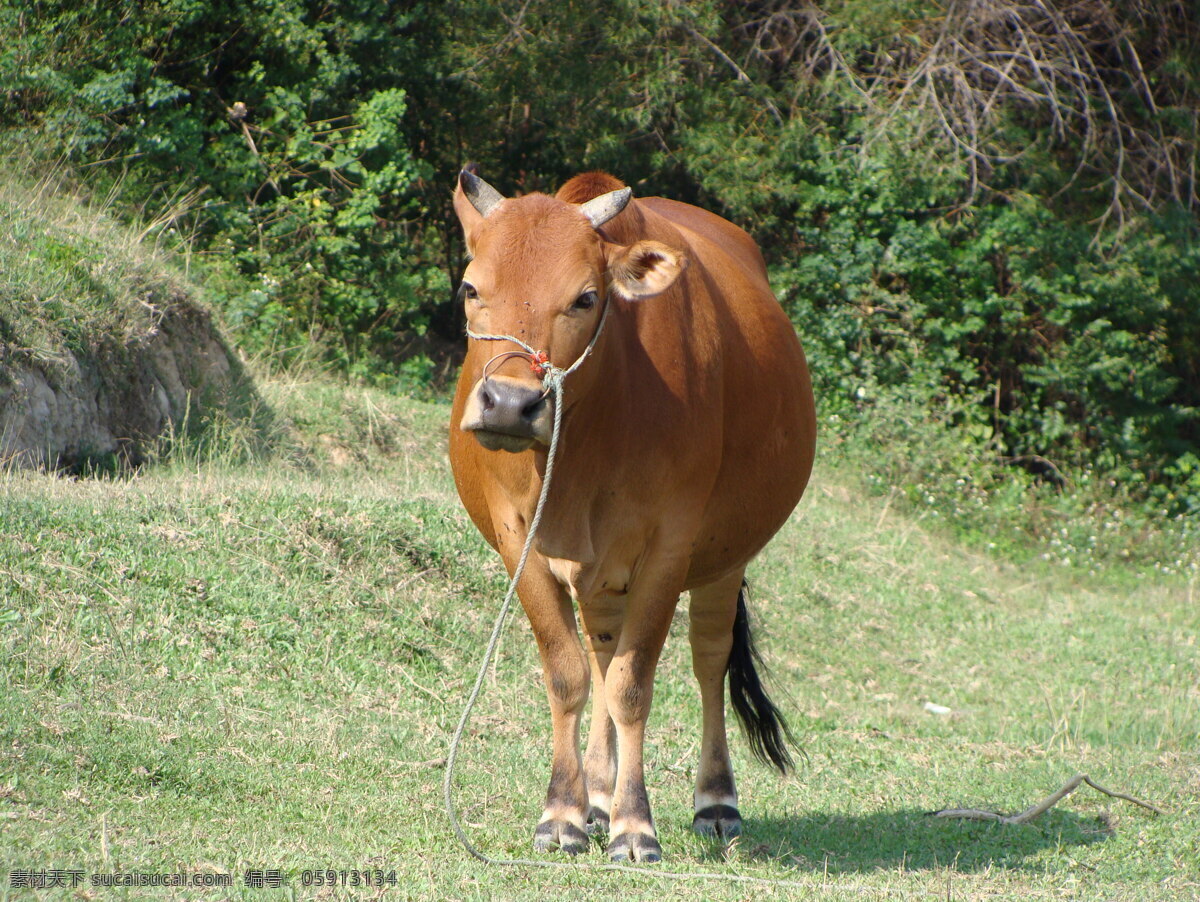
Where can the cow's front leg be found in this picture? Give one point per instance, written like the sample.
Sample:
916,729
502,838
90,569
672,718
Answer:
628,691
602,620
565,670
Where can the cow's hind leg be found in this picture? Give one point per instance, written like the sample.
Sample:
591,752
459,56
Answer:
712,611
722,643
565,671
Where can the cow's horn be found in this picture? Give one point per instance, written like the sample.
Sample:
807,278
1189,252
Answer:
600,210
483,197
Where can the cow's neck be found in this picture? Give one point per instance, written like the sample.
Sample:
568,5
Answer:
601,475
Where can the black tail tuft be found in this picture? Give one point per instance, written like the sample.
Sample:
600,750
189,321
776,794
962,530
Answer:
764,724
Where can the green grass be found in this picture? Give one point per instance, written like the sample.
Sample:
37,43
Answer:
222,664
921,456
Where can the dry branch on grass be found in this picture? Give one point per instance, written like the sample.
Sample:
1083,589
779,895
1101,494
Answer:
976,814
1090,75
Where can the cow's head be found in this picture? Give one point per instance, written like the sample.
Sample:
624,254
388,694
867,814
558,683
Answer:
541,271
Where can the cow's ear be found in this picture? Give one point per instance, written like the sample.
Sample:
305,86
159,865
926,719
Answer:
644,269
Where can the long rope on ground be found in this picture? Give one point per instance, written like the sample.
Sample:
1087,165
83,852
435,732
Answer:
553,383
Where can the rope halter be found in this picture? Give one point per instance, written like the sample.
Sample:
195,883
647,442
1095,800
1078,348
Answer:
539,361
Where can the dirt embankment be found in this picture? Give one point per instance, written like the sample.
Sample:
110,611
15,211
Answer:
113,397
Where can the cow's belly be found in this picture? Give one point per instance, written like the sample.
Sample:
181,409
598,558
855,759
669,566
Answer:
766,462
735,533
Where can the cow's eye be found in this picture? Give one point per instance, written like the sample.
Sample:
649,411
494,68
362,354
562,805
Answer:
466,291
585,301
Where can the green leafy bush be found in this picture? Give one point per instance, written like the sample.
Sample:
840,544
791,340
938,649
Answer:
273,131
1067,354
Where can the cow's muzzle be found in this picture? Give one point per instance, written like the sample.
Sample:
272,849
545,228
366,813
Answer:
508,414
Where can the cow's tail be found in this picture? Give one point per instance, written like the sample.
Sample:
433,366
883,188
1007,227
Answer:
764,724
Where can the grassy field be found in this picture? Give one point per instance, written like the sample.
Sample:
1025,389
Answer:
214,666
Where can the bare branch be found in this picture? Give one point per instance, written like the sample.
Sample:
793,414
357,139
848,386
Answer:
977,814
1068,70
738,70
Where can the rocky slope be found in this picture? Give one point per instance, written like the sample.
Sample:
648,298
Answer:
114,394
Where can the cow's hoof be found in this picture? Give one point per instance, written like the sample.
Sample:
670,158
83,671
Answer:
561,835
722,821
635,847
597,822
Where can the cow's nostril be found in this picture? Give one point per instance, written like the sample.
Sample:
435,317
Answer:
530,410
509,407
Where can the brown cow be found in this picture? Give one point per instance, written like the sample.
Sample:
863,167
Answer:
687,440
